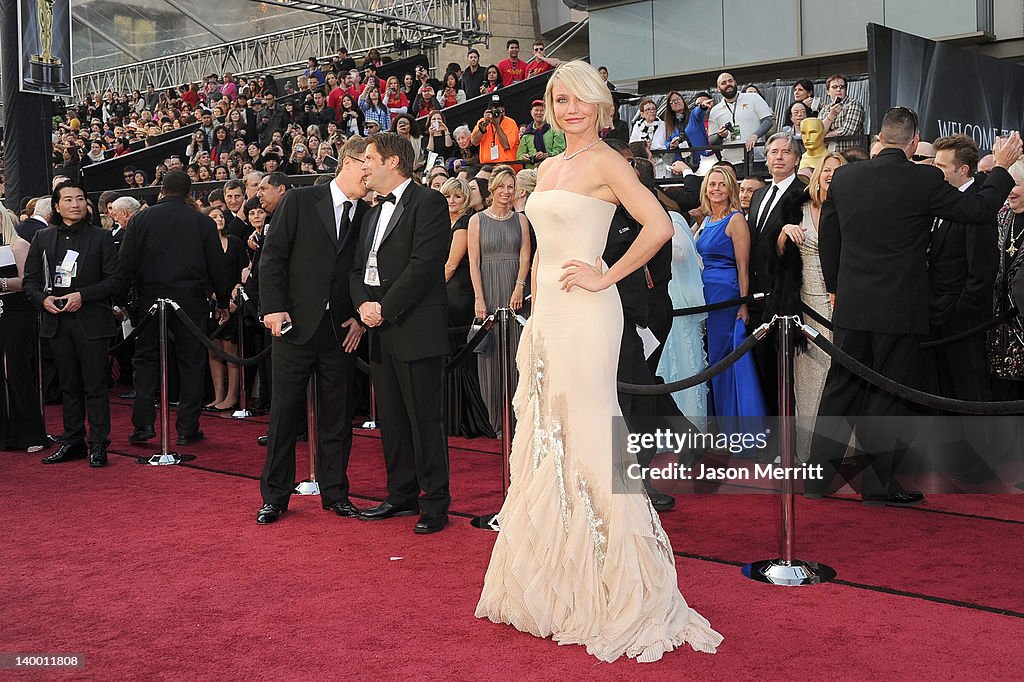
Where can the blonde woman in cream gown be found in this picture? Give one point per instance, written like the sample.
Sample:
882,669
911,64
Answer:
573,561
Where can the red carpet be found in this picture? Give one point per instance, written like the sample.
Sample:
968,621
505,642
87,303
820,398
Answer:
162,573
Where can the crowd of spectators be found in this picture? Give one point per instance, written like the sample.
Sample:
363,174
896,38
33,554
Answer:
258,124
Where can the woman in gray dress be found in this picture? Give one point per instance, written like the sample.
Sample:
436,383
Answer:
499,260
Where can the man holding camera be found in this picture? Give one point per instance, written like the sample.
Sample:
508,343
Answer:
496,134
842,116
740,118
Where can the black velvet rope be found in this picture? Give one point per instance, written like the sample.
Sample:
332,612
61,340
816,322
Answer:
681,312
135,332
960,336
214,348
912,394
471,346
696,379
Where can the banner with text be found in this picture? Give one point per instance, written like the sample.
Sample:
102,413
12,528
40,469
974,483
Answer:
954,91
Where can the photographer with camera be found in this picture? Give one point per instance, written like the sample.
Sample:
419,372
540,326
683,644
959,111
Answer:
496,134
842,115
741,117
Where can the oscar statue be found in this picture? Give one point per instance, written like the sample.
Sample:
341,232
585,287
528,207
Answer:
46,69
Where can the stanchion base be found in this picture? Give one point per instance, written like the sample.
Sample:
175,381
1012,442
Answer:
486,522
790,573
369,424
307,488
241,414
165,459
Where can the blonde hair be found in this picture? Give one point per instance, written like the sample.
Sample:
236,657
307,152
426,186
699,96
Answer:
8,222
814,184
730,183
499,175
458,186
526,179
583,81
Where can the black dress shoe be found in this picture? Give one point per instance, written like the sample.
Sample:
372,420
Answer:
142,435
385,510
98,456
263,440
67,452
661,501
191,438
903,498
268,513
343,507
431,522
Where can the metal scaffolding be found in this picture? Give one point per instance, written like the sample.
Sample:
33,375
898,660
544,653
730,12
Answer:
360,25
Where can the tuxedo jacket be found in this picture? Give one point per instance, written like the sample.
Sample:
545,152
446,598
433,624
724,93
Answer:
962,263
873,237
410,262
98,279
304,263
763,240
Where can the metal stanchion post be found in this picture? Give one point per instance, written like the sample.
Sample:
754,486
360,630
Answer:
39,374
310,485
243,408
787,570
505,318
371,423
165,457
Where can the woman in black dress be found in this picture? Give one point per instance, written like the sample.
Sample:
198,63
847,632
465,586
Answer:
467,414
233,262
21,422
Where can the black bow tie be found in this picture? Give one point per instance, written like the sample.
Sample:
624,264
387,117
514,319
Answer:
387,197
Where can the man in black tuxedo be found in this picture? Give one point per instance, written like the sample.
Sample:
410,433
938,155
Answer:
171,250
398,287
767,216
962,264
71,274
304,270
874,231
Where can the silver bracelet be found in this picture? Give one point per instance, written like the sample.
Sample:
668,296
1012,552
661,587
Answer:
520,283
3,284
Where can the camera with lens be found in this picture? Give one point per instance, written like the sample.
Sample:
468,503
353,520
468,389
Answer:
728,126
497,113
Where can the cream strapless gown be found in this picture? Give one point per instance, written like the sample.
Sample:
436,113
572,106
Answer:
572,560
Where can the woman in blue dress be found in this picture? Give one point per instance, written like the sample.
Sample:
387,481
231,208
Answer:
724,246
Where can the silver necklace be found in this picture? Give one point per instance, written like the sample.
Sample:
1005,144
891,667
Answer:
495,215
568,157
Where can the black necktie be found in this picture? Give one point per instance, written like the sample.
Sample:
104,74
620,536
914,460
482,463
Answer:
387,197
345,221
766,208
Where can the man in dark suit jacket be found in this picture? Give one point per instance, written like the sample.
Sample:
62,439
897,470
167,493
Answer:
398,287
767,217
874,231
71,274
171,250
962,264
304,270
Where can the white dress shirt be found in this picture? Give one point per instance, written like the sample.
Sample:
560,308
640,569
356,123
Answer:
764,211
387,209
339,199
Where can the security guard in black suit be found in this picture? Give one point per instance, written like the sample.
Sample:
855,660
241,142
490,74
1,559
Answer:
71,274
172,251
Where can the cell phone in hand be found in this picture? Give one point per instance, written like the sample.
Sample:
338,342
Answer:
59,303
286,327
